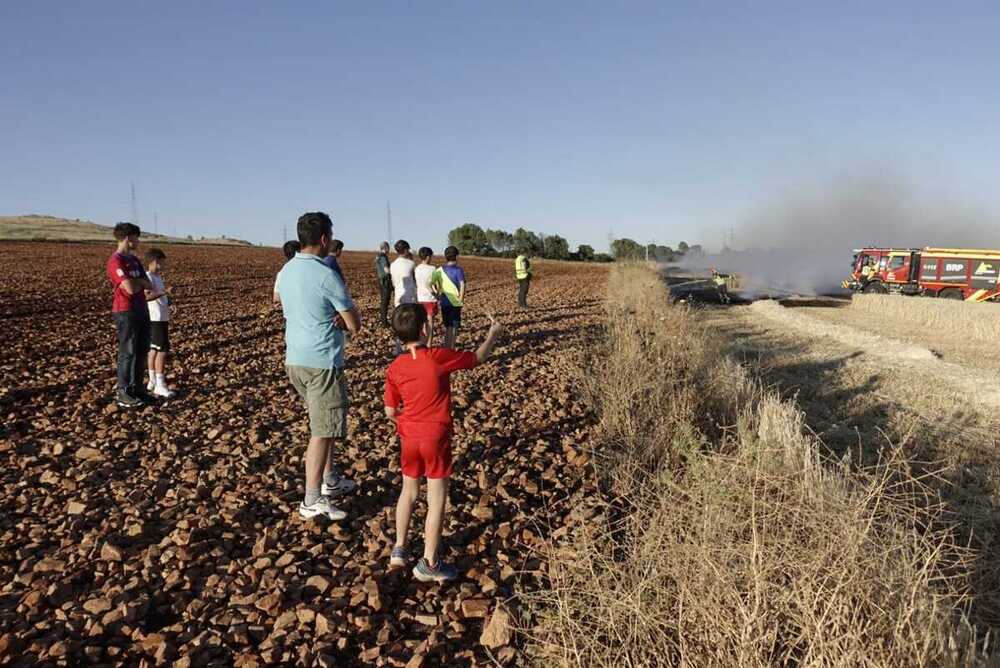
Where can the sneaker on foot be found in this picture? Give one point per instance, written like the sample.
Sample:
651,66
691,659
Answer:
163,391
321,507
339,488
440,572
151,385
399,557
126,400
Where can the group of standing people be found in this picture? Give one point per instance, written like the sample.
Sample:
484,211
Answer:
409,281
319,311
141,309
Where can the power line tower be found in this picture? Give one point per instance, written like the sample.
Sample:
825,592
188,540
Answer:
135,208
388,223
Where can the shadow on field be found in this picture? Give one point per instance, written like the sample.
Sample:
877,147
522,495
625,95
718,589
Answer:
851,410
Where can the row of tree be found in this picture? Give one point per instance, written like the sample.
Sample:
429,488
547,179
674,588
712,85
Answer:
471,239
628,249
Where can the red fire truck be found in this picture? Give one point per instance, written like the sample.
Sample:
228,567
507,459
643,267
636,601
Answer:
949,273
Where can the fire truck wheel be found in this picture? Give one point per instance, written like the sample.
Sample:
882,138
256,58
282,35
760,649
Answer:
875,289
950,294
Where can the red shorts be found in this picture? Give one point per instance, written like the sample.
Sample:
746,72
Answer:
427,456
431,308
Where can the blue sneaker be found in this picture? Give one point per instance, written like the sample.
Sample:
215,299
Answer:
399,557
440,572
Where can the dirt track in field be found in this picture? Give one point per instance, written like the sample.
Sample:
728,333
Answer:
860,400
977,386
171,534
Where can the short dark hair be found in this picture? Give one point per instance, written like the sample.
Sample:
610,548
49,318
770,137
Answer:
336,246
408,322
451,253
312,226
402,246
425,252
125,230
155,254
291,248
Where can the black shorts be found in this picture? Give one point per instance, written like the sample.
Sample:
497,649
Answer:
451,315
159,336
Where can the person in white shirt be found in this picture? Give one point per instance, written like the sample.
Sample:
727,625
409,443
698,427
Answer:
427,292
158,303
403,283
289,249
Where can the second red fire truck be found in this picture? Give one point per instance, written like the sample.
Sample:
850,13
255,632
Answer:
948,273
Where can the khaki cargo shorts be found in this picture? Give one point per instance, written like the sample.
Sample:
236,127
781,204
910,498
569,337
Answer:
325,392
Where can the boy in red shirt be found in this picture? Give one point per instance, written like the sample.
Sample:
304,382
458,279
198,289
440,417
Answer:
418,379
131,316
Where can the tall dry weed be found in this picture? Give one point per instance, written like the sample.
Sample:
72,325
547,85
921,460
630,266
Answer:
725,539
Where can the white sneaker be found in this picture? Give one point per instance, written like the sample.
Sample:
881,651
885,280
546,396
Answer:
163,391
321,507
151,385
339,488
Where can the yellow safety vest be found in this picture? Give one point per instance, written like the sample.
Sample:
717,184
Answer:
520,270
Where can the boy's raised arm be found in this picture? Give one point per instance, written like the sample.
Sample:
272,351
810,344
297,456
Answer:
486,347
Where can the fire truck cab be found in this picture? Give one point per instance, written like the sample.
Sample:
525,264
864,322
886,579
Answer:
885,270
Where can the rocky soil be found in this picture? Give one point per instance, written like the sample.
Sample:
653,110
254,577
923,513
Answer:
170,536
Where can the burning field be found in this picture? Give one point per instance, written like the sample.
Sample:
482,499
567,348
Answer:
170,534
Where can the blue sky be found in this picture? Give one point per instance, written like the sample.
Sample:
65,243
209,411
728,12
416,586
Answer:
663,121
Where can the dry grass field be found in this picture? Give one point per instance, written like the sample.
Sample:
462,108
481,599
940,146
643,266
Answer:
861,401
171,535
729,536
957,320
957,331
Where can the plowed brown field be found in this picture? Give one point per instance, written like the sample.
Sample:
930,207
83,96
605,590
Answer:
171,534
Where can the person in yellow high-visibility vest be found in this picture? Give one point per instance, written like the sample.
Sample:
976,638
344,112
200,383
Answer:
721,285
522,272
867,271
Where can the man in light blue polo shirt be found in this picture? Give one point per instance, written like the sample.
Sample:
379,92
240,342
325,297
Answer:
317,309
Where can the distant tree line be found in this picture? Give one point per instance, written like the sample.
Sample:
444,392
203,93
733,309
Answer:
628,249
471,239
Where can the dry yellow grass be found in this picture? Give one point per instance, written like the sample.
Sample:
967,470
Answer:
725,540
965,320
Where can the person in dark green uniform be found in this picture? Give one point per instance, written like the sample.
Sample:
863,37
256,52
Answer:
384,281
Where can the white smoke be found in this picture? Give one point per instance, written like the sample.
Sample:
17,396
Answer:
803,242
